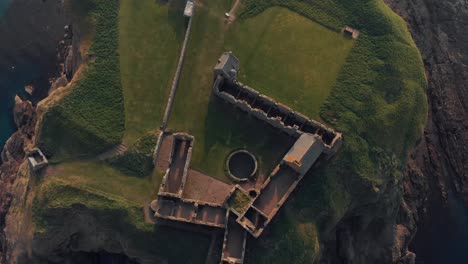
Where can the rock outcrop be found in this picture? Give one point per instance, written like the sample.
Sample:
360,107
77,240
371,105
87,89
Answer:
438,165
12,156
45,20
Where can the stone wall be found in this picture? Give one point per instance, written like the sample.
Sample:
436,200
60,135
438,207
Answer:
274,113
162,187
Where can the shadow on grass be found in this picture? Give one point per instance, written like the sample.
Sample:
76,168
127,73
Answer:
176,16
231,128
157,241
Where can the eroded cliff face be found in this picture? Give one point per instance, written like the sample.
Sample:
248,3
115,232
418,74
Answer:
437,173
439,29
39,37
437,168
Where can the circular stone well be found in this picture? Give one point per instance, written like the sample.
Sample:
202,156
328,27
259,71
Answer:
241,165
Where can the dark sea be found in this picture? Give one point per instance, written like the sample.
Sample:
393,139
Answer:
13,78
6,126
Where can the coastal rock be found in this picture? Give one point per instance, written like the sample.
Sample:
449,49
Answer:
44,20
440,160
61,81
12,156
24,115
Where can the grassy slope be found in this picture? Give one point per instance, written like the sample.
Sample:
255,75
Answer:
150,37
378,103
110,191
301,70
55,202
101,177
138,159
90,119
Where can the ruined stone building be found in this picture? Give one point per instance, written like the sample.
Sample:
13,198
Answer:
235,210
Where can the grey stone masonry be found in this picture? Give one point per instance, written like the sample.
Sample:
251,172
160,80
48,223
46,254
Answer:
36,159
271,112
312,139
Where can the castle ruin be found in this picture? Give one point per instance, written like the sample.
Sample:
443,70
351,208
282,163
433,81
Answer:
232,208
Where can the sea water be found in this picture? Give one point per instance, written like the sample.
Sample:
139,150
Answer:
3,6
6,127
14,76
12,82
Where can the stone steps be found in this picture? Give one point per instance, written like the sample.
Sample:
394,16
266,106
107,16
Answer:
114,151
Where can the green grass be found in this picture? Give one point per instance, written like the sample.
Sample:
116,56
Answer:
239,201
122,94
138,159
56,202
102,177
90,119
150,37
378,103
301,70
218,129
294,242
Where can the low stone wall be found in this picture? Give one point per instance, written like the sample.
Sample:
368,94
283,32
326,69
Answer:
156,149
162,187
234,177
225,258
257,230
170,207
175,81
274,113
191,139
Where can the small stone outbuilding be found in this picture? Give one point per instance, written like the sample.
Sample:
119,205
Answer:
351,32
37,159
228,66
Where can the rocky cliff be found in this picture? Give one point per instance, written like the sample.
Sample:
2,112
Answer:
50,46
437,167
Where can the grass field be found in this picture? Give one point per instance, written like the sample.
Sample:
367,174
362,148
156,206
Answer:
150,37
99,176
301,69
298,71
